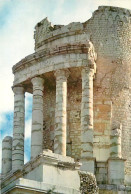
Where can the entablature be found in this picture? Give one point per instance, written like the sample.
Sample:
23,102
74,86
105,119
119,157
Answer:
50,60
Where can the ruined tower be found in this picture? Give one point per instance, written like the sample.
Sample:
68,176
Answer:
79,77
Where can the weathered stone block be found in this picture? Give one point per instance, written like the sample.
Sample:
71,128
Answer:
88,165
116,172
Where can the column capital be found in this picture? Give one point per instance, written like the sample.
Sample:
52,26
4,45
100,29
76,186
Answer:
37,81
116,129
18,89
62,73
87,70
116,132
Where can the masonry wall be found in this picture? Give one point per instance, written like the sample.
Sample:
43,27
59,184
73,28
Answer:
102,119
110,32
49,116
73,118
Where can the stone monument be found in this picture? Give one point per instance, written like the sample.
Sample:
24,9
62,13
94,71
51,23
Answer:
79,77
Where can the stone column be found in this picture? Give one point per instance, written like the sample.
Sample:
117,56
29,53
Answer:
18,129
115,147
87,120
37,117
60,112
6,155
116,174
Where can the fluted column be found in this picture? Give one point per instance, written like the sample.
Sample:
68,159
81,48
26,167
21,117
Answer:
60,112
18,128
6,155
37,117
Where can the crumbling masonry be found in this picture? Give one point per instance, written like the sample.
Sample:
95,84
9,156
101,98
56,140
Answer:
80,79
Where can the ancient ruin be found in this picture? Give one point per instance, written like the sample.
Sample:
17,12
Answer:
79,77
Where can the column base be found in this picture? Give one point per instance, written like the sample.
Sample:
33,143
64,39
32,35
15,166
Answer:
116,174
88,164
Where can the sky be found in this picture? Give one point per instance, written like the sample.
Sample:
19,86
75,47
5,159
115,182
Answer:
17,21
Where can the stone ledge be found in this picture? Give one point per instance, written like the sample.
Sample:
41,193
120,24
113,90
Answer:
116,158
114,187
40,187
48,157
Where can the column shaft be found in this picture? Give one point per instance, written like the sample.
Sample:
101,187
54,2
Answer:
60,112
37,117
87,113
18,129
116,172
115,147
6,155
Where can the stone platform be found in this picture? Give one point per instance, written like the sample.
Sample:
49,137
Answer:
46,172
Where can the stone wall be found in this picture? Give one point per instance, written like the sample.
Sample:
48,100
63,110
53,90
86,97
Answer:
102,125
49,118
102,117
110,32
102,173
73,118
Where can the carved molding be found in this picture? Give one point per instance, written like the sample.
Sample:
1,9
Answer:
18,90
37,81
79,48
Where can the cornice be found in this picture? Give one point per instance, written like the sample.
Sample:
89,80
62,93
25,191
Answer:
77,48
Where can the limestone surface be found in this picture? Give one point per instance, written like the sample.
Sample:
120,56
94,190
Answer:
80,79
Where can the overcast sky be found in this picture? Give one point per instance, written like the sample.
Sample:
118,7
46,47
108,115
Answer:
17,21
